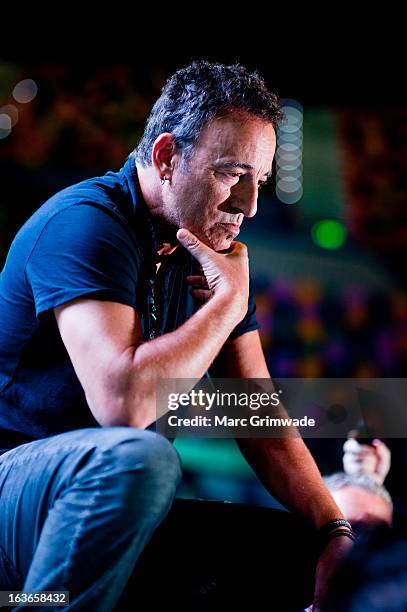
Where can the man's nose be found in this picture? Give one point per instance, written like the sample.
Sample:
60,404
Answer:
245,198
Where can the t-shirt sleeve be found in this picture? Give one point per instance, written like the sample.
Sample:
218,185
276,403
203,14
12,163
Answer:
83,251
249,322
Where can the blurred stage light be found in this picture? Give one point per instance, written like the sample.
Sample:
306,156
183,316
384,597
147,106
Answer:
296,137
290,128
289,184
293,108
290,165
11,111
289,172
329,234
289,147
5,125
288,157
289,153
25,91
289,197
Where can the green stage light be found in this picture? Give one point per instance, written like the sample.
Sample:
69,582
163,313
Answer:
329,234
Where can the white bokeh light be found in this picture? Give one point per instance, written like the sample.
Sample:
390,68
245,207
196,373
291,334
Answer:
25,91
289,153
11,111
5,125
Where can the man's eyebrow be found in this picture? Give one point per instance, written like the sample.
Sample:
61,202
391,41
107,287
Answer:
238,164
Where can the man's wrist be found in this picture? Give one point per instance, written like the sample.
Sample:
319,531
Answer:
333,529
232,309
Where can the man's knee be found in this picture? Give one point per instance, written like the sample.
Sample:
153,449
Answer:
159,457
129,471
144,472
149,456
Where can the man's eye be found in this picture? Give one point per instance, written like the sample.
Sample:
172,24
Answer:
229,175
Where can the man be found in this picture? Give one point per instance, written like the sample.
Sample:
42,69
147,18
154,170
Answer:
359,490
375,571
362,501
95,308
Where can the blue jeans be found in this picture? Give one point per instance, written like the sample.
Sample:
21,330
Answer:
77,509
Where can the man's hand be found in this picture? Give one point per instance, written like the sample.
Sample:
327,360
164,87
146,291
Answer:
199,285
224,273
368,460
332,556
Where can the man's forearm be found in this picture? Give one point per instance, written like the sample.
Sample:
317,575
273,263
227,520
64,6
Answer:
284,465
288,471
186,352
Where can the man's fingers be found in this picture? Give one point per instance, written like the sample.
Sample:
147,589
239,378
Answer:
383,459
365,464
201,294
238,247
367,459
354,447
197,281
359,458
351,446
360,463
381,450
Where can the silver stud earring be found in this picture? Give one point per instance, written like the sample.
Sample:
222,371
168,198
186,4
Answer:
163,179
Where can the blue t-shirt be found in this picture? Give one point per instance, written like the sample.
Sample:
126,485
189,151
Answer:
95,239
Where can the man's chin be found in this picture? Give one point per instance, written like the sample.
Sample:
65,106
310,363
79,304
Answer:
220,242
222,245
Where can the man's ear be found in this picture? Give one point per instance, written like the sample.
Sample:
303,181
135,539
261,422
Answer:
162,154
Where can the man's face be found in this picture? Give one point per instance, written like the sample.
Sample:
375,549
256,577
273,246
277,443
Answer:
218,186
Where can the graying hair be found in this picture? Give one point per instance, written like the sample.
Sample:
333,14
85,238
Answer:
199,93
340,480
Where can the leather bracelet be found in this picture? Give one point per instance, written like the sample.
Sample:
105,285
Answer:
341,532
324,530
334,529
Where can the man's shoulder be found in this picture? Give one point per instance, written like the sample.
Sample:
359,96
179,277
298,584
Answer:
103,192
100,201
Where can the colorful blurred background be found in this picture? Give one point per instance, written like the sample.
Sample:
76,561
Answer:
327,247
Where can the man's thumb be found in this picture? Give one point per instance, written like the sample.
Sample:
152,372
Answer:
188,240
